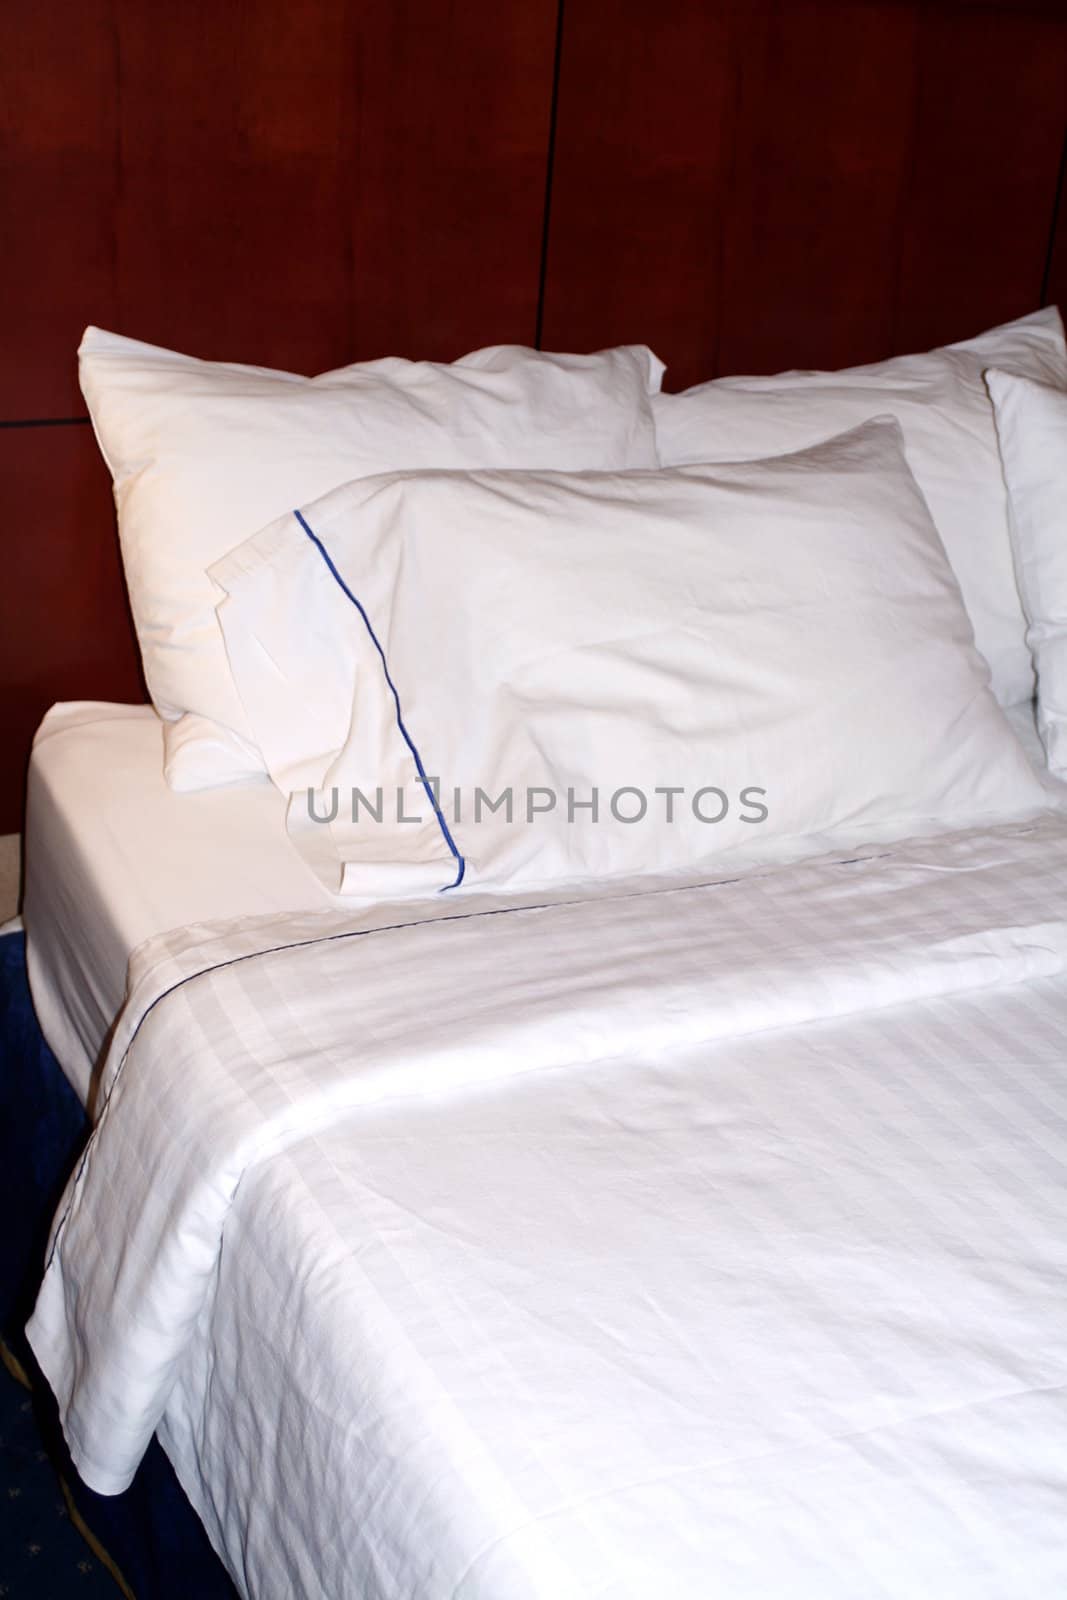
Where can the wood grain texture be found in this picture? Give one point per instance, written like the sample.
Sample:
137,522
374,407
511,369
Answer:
454,108
801,182
825,116
232,210
65,631
644,144
58,150
295,183
990,117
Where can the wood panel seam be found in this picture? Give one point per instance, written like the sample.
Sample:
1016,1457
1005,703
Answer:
44,422
1057,202
550,161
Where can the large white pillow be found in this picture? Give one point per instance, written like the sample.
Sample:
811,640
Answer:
204,453
1032,424
781,641
941,403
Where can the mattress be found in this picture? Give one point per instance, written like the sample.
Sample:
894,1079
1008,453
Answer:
114,858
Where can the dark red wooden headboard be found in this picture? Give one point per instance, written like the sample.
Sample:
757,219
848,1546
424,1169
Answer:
301,183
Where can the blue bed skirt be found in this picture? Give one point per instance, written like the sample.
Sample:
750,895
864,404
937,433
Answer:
151,1532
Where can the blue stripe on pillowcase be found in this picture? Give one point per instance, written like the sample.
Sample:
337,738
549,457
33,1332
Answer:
408,740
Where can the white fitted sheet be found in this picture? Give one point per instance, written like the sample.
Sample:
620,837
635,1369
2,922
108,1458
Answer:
114,857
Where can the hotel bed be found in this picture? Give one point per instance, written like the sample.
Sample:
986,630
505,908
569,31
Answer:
444,1211
543,1207
777,1295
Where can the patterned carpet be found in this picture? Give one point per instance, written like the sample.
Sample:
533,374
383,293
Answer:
42,1555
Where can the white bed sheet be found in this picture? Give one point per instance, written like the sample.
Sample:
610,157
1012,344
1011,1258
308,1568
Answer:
114,857
572,1280
787,1329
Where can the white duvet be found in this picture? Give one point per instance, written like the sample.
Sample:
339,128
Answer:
708,1242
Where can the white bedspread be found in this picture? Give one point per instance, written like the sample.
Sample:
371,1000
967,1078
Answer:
512,1255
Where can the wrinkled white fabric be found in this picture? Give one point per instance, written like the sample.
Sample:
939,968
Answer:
205,452
941,402
722,660
240,1045
1032,426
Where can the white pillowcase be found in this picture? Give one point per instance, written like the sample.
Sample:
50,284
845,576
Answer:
1032,425
783,635
941,403
204,453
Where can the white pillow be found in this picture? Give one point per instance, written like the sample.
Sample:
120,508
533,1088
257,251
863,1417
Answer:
786,632
1032,425
204,453
941,403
